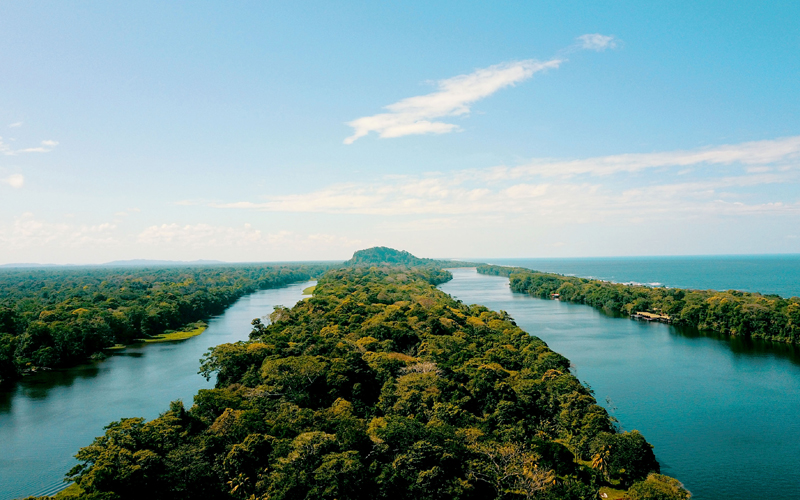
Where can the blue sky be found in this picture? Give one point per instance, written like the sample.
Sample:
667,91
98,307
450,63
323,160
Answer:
262,132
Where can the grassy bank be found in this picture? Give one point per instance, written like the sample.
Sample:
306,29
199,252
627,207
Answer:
195,330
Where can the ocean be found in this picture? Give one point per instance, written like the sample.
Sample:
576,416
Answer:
767,274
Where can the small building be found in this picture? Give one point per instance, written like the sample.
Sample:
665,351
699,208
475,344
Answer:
647,316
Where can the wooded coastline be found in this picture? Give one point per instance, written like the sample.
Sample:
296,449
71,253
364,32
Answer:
57,318
732,312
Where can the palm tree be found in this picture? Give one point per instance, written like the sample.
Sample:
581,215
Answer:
600,461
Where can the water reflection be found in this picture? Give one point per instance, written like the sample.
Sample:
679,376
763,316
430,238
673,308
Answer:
45,418
743,345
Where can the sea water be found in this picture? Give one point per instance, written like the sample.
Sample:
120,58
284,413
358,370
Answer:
767,274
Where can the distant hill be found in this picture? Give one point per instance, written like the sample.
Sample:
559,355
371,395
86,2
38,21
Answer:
385,256
377,256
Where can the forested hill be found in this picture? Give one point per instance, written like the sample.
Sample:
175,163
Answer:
731,312
384,256
59,317
379,386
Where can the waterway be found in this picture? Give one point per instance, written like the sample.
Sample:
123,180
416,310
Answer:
722,413
45,418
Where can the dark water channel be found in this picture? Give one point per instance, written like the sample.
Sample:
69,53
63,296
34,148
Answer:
724,415
45,418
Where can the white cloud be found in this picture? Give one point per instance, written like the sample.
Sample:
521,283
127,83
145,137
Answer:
27,231
14,180
454,96
244,236
416,115
760,153
46,147
15,125
596,41
572,191
27,238
199,234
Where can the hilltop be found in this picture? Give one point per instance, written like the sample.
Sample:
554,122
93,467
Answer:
385,256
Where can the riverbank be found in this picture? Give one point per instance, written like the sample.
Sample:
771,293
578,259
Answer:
734,313
45,418
701,399
169,336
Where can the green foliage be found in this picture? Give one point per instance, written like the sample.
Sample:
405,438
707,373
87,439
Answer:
384,256
56,318
627,456
732,312
376,256
379,386
658,487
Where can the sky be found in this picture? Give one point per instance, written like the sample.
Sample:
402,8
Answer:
279,131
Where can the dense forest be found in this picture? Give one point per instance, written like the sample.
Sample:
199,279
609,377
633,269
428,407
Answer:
379,386
59,317
732,312
385,256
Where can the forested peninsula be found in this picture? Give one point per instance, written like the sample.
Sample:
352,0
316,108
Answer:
731,312
53,318
379,386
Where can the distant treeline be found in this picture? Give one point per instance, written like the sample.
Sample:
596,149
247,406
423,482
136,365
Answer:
731,312
56,318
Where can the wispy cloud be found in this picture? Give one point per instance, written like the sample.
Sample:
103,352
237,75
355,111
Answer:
417,115
596,41
760,153
15,125
46,147
210,236
574,190
14,180
27,231
27,235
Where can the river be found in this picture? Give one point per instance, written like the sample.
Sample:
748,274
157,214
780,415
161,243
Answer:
45,418
722,413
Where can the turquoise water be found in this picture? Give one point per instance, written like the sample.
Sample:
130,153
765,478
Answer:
45,418
768,274
722,413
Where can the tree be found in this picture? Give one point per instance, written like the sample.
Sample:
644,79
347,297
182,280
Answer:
630,458
658,487
600,460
